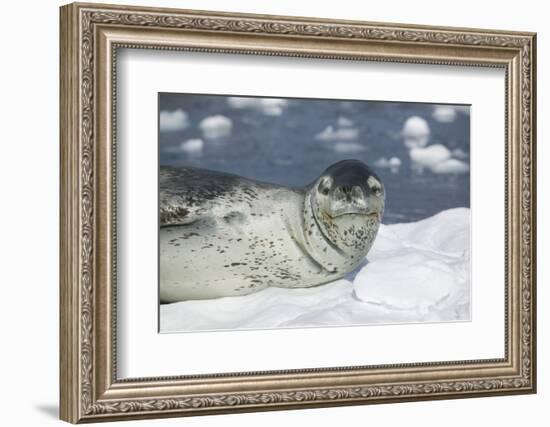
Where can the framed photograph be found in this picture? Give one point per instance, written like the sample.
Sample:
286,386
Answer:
267,212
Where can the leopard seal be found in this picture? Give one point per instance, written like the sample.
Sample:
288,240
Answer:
224,235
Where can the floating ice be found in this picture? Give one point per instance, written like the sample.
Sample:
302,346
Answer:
382,162
415,132
242,102
464,109
283,161
444,113
457,153
273,107
429,156
344,122
454,166
344,131
268,106
338,134
215,127
348,147
416,272
437,158
192,146
393,164
171,121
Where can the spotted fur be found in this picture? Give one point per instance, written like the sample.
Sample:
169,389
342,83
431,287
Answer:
224,235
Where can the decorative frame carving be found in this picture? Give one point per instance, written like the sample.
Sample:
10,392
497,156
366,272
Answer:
90,36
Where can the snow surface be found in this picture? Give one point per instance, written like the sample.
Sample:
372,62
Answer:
415,272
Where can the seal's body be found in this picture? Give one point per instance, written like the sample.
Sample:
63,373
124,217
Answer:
224,235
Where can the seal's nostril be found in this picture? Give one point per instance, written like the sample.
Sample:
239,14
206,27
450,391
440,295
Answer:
357,193
349,194
339,194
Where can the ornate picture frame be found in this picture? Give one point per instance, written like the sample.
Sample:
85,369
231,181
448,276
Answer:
90,37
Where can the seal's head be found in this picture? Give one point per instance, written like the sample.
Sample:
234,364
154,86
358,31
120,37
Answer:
347,201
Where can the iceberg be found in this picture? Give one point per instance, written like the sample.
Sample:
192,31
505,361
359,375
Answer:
415,272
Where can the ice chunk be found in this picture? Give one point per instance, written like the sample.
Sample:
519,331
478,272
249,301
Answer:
171,121
348,147
459,154
192,146
415,132
464,109
242,102
429,156
393,164
267,106
451,166
437,158
444,113
214,127
382,162
273,106
344,122
332,134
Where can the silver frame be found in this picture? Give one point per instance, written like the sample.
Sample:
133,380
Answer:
90,37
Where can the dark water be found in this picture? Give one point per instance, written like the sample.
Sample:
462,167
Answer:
283,148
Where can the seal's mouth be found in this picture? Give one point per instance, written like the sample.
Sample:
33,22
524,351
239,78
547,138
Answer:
351,210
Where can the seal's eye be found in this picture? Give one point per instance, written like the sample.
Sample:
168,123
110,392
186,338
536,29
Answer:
374,185
324,185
